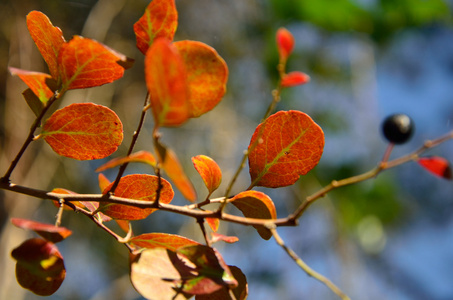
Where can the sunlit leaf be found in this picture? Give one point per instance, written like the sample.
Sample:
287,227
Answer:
438,166
209,171
137,187
36,81
103,181
256,205
288,144
240,292
170,164
39,267
85,63
158,273
140,156
213,223
49,232
294,78
285,43
171,242
207,75
159,20
47,38
83,131
166,79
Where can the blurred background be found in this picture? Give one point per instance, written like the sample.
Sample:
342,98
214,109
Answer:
387,238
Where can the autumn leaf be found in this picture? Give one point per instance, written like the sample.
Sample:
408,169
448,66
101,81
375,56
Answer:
209,171
216,237
83,131
85,63
288,144
169,162
240,292
159,20
166,79
207,75
36,81
285,43
49,232
436,165
256,205
48,38
137,187
39,266
294,78
171,242
140,156
213,223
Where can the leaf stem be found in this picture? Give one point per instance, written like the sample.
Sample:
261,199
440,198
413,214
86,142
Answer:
305,267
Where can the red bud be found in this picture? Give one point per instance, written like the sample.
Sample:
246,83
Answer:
285,43
294,78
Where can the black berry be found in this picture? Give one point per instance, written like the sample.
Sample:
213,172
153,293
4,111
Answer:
398,128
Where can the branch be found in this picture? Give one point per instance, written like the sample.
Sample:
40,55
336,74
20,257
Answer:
304,266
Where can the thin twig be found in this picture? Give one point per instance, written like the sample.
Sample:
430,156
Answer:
305,267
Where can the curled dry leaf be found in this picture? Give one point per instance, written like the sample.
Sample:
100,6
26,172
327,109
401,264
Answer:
256,205
288,144
49,232
209,171
159,20
138,187
40,267
83,131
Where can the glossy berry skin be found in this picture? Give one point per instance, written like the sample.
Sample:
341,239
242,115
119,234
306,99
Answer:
398,128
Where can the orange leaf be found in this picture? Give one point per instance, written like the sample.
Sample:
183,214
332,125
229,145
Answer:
209,171
256,205
103,182
438,166
159,20
213,223
40,267
85,63
36,81
288,144
47,38
171,242
166,79
170,164
83,131
140,156
207,75
50,232
285,43
294,79
138,187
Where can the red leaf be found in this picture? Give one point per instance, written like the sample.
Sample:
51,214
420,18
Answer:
294,79
140,156
171,242
213,223
159,20
166,79
36,81
438,166
39,267
83,131
138,187
240,292
47,38
216,237
170,164
85,63
256,205
48,231
209,171
285,43
288,144
207,75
